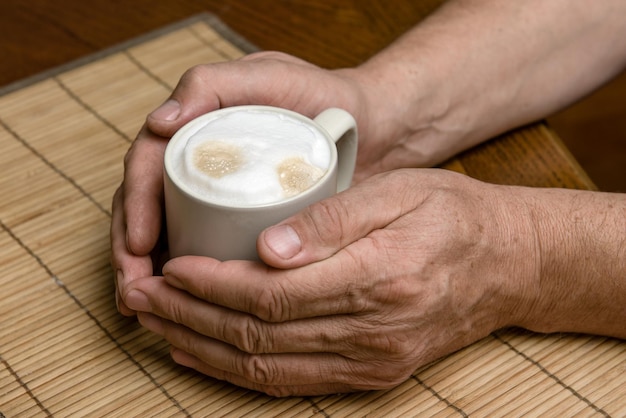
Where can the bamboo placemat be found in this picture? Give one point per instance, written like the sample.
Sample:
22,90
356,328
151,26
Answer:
64,349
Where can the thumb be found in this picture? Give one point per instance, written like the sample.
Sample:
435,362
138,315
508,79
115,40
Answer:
324,228
209,87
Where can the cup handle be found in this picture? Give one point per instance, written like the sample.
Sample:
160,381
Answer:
341,126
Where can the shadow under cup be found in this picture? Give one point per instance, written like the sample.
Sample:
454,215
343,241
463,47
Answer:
198,226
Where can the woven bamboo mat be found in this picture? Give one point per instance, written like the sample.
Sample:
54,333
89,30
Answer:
64,349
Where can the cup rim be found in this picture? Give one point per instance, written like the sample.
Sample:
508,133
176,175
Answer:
187,130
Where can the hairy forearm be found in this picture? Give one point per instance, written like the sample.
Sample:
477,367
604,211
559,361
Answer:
581,245
476,68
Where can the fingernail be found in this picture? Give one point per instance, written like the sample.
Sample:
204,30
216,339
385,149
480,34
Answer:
167,111
283,241
138,301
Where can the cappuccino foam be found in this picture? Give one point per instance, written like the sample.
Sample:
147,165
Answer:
248,158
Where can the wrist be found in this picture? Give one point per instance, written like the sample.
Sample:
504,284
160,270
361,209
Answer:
580,247
405,106
513,263
431,102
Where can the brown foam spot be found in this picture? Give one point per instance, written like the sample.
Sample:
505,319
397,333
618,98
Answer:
296,175
216,159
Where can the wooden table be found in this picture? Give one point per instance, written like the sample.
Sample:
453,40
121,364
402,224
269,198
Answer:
60,336
38,35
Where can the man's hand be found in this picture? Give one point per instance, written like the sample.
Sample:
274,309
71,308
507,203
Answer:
264,78
363,288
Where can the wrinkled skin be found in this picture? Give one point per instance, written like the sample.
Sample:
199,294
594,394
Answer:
269,78
378,288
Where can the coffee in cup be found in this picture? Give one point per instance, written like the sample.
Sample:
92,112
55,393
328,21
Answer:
233,172
251,157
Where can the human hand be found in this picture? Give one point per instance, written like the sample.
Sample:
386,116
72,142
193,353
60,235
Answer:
363,287
264,78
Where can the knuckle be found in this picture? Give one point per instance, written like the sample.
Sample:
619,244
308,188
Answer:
194,74
355,297
195,78
393,347
259,369
128,157
328,218
248,335
175,311
118,196
389,359
272,304
117,207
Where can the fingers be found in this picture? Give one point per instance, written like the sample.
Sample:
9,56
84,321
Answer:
245,331
271,295
287,374
278,374
298,389
266,78
137,213
324,228
299,357
126,265
143,192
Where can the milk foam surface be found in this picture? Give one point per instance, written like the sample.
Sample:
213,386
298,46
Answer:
243,154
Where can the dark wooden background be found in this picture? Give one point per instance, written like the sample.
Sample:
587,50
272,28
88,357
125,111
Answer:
37,35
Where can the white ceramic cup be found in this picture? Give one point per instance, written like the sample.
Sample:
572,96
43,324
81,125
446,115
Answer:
198,225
